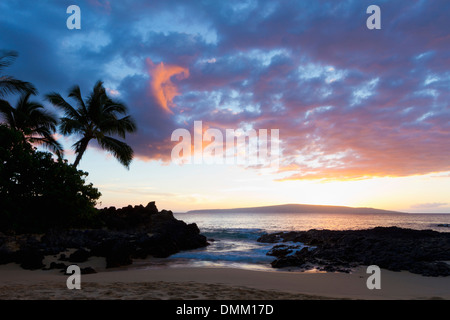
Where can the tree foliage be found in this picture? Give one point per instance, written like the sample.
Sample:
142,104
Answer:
9,84
98,118
30,117
38,193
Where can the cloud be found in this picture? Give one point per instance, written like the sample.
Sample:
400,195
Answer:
161,84
350,103
429,205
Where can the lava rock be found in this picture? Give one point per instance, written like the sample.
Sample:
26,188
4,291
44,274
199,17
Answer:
81,255
392,248
119,254
126,233
279,251
30,259
87,270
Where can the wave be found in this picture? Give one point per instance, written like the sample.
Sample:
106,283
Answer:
255,255
231,245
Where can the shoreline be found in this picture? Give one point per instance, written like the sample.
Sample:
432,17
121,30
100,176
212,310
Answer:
131,266
212,283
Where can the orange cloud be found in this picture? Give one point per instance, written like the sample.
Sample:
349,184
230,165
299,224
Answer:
161,85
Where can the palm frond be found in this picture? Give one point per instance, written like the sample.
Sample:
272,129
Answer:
6,113
10,85
120,127
75,93
59,102
32,115
36,124
115,107
7,58
44,118
120,150
69,126
50,143
96,101
98,88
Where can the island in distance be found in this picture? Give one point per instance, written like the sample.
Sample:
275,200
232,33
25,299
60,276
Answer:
299,208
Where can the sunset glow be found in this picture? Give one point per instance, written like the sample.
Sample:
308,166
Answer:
363,115
161,84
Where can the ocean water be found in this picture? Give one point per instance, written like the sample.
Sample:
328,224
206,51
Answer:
233,236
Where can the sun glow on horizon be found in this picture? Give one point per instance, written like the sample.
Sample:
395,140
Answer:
363,118
193,187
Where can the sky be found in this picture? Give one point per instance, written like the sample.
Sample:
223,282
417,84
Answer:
363,115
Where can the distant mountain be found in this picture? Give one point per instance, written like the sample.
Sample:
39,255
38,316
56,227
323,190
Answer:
299,208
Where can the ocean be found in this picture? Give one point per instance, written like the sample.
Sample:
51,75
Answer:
233,236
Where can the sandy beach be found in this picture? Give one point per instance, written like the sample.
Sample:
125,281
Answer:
185,283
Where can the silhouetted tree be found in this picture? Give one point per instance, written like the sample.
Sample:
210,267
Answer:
30,118
96,119
38,193
9,84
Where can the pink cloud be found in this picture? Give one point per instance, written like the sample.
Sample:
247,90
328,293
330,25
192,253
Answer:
162,87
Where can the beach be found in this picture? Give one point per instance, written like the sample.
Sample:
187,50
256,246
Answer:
194,283
224,150
235,265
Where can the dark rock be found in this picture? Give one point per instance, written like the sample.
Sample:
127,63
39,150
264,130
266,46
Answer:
161,245
279,251
127,232
6,256
62,257
57,265
151,207
392,248
431,269
87,270
30,259
304,251
128,218
81,255
7,253
288,261
51,251
119,254
271,237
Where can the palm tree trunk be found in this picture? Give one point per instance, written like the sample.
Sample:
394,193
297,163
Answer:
81,150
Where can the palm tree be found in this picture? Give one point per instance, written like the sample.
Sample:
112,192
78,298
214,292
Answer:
96,119
9,84
30,118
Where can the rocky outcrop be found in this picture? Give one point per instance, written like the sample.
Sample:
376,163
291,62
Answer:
127,233
418,251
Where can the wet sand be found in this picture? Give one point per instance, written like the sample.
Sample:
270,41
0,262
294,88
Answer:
217,284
